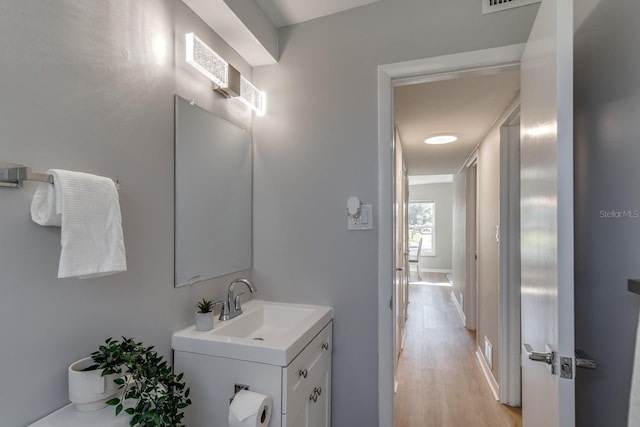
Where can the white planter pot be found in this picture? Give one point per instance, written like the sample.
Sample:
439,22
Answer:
88,390
204,321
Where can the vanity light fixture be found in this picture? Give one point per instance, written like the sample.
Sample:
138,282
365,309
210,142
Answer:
440,139
204,59
227,81
252,97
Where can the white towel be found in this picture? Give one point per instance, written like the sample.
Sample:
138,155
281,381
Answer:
43,206
634,397
91,238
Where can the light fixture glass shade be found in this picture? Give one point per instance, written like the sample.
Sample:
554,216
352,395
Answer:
204,59
252,97
441,139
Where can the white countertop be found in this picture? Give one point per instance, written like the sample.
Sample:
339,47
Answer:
67,416
266,332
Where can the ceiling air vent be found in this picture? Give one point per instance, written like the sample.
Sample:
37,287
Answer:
489,6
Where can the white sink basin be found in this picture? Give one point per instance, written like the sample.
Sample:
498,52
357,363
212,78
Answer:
266,332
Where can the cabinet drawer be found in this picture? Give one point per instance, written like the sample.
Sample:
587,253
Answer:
296,378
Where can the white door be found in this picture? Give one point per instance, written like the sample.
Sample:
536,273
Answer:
399,244
547,218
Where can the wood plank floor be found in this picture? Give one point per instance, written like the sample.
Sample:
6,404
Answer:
440,383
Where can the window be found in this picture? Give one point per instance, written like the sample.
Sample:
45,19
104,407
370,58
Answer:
422,221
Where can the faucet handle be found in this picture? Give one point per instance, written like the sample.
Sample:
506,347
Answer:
236,301
224,312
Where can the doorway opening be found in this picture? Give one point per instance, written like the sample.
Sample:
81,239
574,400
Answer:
430,70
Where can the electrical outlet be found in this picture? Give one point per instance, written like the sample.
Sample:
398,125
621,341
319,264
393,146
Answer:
488,352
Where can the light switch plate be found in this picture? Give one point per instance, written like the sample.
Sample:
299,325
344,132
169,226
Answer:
364,221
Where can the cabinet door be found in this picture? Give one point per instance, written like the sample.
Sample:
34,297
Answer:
298,377
320,409
315,409
299,417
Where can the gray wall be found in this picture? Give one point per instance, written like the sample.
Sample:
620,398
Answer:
607,102
488,211
317,146
488,249
88,86
442,194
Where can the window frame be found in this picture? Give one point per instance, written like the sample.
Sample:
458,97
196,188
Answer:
425,252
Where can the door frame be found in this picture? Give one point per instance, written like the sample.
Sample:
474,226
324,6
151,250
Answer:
400,243
470,308
509,315
422,70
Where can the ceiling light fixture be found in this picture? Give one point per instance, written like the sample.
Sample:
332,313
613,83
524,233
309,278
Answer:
440,139
227,81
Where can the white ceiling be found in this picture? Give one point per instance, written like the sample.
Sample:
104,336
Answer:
289,12
466,107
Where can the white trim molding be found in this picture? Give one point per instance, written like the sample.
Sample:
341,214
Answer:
509,311
458,307
491,381
390,75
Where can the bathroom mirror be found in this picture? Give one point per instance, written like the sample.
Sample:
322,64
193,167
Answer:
213,210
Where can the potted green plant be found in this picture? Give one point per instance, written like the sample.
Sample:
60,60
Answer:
204,315
150,392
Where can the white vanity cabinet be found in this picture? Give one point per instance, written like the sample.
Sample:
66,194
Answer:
300,391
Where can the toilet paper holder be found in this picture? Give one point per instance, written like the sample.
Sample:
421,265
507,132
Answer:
264,412
237,388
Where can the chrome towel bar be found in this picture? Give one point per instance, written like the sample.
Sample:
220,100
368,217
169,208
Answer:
12,175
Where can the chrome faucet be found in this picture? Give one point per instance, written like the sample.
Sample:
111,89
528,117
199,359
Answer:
231,308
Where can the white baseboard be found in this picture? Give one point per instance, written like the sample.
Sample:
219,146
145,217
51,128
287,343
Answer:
488,375
456,303
436,270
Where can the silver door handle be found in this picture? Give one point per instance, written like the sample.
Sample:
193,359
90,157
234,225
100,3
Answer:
584,361
538,356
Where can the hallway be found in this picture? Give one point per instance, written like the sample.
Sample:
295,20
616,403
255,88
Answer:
440,380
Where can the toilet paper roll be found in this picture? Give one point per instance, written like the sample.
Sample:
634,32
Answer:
249,409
